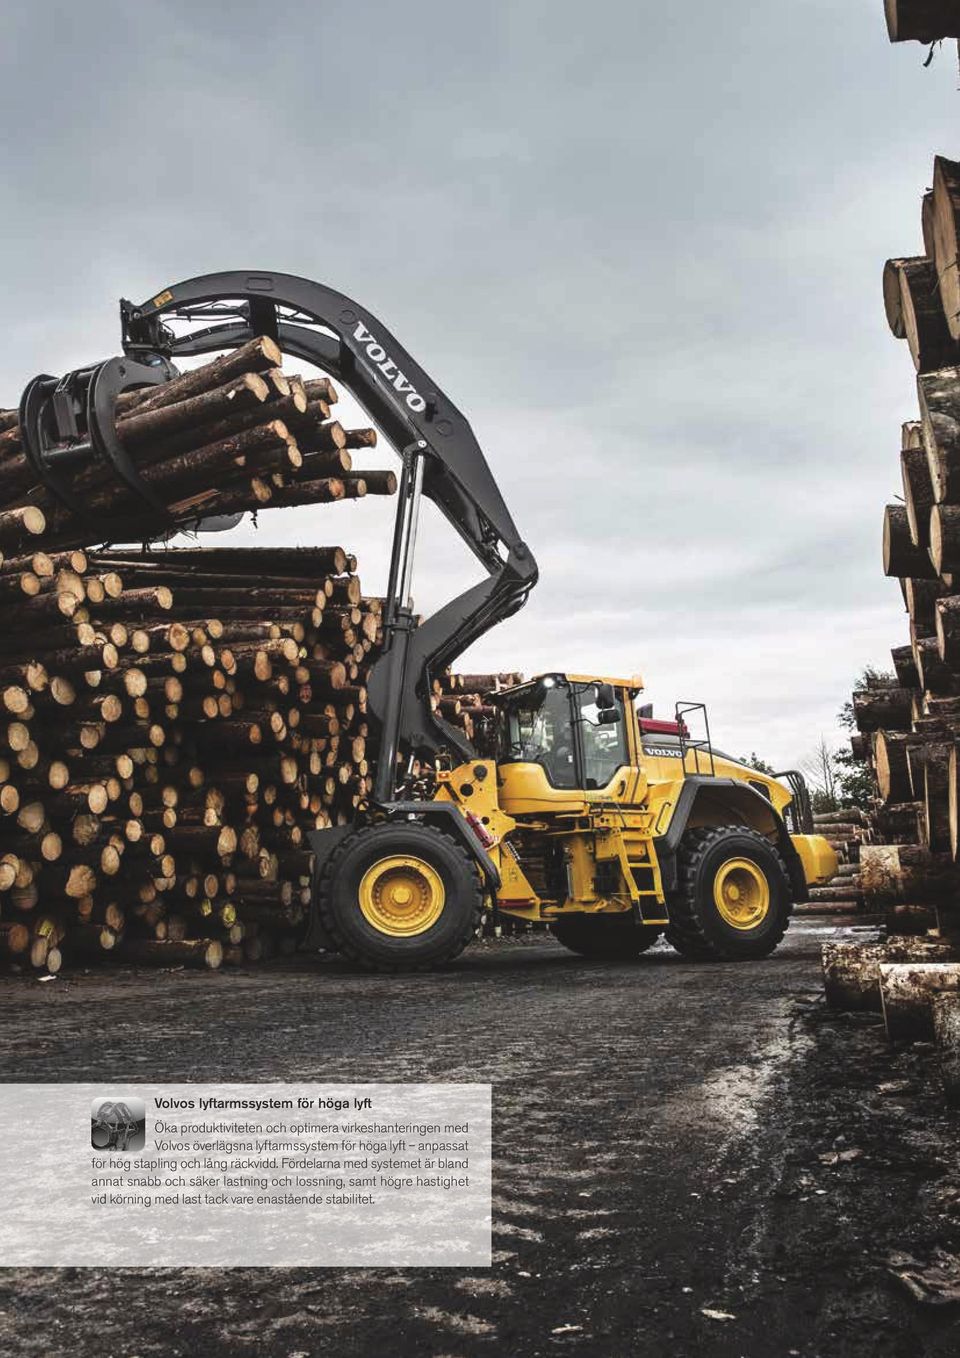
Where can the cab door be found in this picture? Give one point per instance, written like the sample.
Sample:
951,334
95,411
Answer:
607,747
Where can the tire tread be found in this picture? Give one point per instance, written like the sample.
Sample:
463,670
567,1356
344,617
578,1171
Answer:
686,931
345,947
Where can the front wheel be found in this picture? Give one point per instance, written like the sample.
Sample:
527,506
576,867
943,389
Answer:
399,897
607,938
733,899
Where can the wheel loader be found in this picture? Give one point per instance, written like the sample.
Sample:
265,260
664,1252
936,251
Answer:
585,814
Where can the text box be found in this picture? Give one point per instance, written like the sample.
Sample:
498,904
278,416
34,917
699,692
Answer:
245,1175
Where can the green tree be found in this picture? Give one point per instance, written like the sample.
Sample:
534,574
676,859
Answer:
855,781
867,678
856,785
753,761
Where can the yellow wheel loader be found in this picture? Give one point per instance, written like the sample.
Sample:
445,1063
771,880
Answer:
585,814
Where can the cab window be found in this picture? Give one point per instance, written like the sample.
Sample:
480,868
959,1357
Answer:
539,730
604,742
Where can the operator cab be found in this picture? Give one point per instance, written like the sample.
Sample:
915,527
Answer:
574,727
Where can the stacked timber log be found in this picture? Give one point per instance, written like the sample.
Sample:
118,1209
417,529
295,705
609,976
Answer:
846,831
237,434
909,724
168,741
173,723
925,21
914,983
464,701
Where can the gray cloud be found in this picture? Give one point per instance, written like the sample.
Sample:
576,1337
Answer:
639,244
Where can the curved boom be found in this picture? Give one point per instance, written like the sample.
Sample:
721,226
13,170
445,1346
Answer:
441,459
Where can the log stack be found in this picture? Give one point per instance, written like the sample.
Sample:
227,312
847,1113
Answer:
174,722
234,435
846,831
908,725
925,21
464,701
167,744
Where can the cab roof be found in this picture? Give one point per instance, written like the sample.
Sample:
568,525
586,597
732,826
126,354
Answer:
634,684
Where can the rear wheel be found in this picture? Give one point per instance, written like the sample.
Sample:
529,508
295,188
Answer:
733,899
610,938
399,897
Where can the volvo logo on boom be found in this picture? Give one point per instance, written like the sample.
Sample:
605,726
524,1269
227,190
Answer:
379,357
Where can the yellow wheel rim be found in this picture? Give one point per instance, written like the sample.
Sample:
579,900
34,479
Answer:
401,896
741,893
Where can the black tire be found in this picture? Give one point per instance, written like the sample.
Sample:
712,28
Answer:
607,938
338,898
697,928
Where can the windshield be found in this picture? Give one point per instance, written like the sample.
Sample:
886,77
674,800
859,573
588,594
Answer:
538,730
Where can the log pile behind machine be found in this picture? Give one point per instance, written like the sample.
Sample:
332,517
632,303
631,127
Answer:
846,831
173,722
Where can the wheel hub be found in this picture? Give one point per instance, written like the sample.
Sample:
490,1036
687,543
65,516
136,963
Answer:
741,893
401,896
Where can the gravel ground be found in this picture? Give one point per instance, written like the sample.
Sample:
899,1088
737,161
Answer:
688,1159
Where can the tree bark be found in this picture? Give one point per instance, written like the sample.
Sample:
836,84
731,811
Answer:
945,1012
188,952
936,822
916,920
917,494
946,214
899,823
945,538
887,709
926,224
150,425
907,991
921,752
851,971
905,666
906,873
900,556
935,676
947,623
928,335
376,483
921,600
17,526
892,295
939,396
890,761
953,802
258,355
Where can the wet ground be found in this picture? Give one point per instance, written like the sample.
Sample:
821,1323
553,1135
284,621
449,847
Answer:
689,1160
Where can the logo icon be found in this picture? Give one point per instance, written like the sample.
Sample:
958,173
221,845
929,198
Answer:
118,1124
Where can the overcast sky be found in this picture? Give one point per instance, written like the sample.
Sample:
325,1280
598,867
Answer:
638,244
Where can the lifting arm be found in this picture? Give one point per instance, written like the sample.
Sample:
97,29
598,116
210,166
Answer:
441,459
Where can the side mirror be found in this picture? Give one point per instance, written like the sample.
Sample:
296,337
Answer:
608,716
606,697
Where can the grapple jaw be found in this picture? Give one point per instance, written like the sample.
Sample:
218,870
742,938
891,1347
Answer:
68,424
